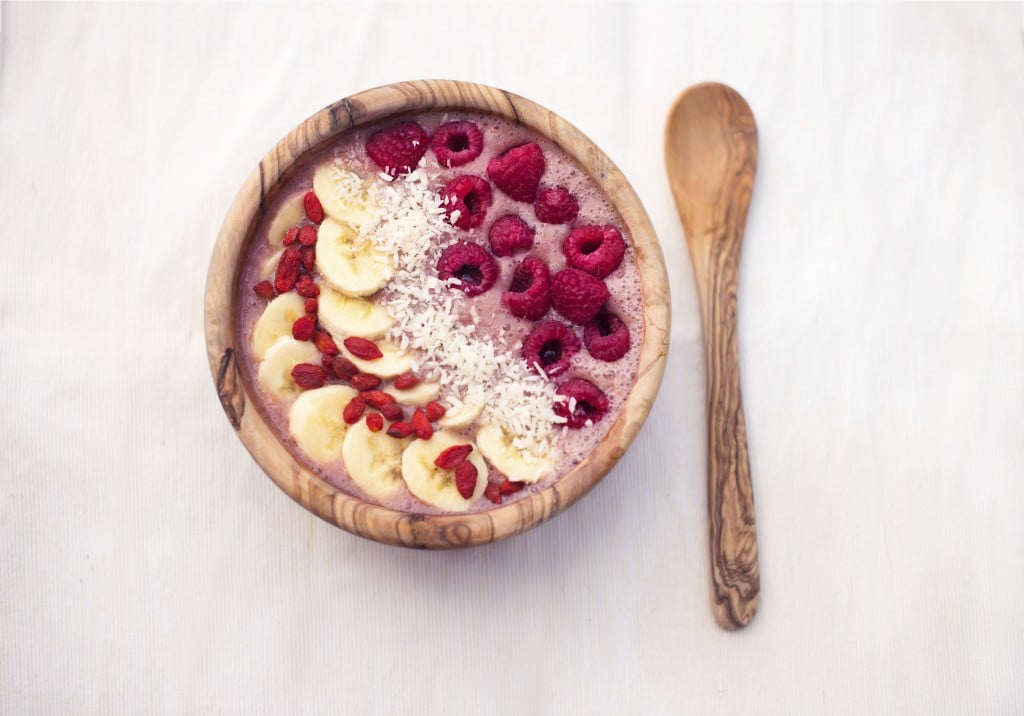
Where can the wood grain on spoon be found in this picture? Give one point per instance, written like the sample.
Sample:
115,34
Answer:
711,157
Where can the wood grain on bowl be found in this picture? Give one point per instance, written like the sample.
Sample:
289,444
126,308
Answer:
291,475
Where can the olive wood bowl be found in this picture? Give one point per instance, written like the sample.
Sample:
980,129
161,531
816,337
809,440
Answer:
352,513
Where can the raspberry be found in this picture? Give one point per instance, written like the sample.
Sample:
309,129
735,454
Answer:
344,368
598,250
324,343
457,143
450,458
465,479
434,410
290,236
287,270
471,264
307,235
420,425
510,234
264,289
406,381
398,149
353,411
586,402
493,492
308,376
470,196
577,295
556,206
606,337
518,170
314,209
302,329
363,348
375,422
399,430
364,381
529,295
550,345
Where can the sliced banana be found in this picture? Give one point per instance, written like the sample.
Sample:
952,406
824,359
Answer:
395,360
275,322
275,372
350,264
496,445
433,485
419,395
315,421
346,316
462,416
269,268
292,211
373,460
344,195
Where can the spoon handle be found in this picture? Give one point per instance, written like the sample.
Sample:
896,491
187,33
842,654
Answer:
735,575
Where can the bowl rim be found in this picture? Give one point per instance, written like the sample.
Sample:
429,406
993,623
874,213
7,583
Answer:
287,471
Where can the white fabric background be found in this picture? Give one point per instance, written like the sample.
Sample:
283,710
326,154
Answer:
148,566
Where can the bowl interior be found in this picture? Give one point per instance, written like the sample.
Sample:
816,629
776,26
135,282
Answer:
236,396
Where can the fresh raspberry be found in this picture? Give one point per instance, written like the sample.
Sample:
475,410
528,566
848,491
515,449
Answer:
577,295
556,206
375,422
585,402
470,196
353,410
363,348
510,234
606,337
406,381
344,368
398,149
308,376
434,410
264,289
551,346
518,170
307,235
529,295
457,143
471,264
314,209
364,381
288,270
598,250
465,479
303,328
493,492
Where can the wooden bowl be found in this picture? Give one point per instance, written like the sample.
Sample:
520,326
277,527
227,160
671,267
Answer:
237,397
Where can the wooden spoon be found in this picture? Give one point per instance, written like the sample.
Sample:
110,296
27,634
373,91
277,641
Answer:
711,156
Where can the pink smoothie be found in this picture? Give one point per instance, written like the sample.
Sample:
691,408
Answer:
490,316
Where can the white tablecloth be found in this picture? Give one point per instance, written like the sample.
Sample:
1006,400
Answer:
148,566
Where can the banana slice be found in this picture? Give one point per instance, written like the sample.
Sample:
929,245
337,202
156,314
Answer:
395,360
373,460
275,372
315,422
461,417
275,322
496,445
352,265
270,265
419,395
292,211
345,316
344,195
433,485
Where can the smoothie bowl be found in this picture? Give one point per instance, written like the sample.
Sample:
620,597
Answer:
436,314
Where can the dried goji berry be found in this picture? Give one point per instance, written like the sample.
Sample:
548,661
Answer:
399,430
307,235
306,288
375,422
393,412
493,492
311,305
343,367
364,381
288,270
406,381
465,479
314,210
264,289
290,236
377,398
308,258
434,411
302,329
308,376
324,343
424,430
450,458
508,487
363,348
353,411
